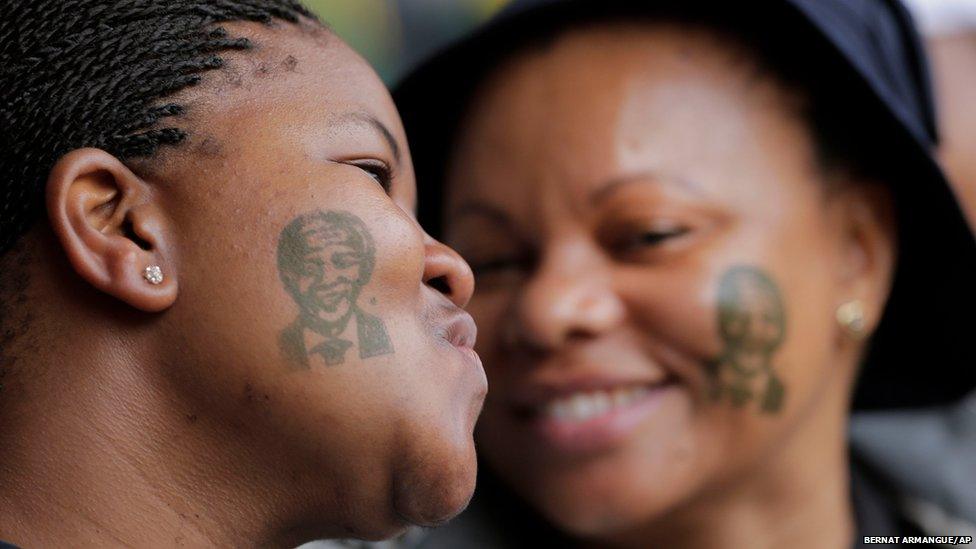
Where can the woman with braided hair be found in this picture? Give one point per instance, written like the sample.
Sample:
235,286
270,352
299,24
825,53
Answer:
220,323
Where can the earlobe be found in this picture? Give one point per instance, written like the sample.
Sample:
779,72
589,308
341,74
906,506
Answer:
868,255
110,228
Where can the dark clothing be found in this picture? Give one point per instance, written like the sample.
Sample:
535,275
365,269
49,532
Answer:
874,510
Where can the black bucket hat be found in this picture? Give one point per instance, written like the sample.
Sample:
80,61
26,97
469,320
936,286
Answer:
921,354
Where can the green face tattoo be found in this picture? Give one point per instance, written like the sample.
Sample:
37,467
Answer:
752,324
324,261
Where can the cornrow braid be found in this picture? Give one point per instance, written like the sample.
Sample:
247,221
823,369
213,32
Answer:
96,73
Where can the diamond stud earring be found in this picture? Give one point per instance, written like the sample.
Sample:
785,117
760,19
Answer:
153,275
850,316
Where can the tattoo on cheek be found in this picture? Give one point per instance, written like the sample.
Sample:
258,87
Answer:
752,325
325,259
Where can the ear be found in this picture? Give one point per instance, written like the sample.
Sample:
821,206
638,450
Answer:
110,227
868,247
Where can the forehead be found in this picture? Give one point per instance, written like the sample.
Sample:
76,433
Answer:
298,97
618,98
295,74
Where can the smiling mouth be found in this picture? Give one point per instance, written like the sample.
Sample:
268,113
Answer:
581,419
586,405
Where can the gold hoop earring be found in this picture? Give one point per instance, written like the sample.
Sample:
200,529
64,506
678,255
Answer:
850,316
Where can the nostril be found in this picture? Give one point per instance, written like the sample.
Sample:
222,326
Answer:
440,284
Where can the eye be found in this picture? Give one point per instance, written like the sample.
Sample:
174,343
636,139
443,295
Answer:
497,273
657,237
378,170
496,265
637,240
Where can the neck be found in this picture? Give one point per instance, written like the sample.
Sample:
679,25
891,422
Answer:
89,459
99,451
798,497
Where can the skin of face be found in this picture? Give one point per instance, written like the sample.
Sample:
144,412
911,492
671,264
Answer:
600,187
193,412
391,435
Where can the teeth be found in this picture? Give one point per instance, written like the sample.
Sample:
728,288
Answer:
559,409
588,405
621,398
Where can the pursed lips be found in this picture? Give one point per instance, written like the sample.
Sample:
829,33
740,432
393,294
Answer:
460,331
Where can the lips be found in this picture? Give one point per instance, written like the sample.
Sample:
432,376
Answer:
594,415
583,406
461,331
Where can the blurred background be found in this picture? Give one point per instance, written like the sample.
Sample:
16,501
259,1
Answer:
395,34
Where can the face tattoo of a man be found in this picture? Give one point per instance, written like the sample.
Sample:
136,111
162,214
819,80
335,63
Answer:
752,323
324,260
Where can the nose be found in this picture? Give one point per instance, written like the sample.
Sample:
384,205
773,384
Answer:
447,272
570,296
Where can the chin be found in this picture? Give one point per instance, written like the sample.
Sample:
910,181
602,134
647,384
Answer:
604,503
385,533
592,523
430,489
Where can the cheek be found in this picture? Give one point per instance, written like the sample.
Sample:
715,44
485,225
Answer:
675,309
808,354
233,308
493,313
399,264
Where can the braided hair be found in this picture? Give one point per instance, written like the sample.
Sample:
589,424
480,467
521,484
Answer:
96,73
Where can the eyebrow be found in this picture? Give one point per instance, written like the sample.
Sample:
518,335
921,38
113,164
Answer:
654,178
367,119
480,209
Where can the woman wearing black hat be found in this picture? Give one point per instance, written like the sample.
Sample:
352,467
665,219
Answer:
701,237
